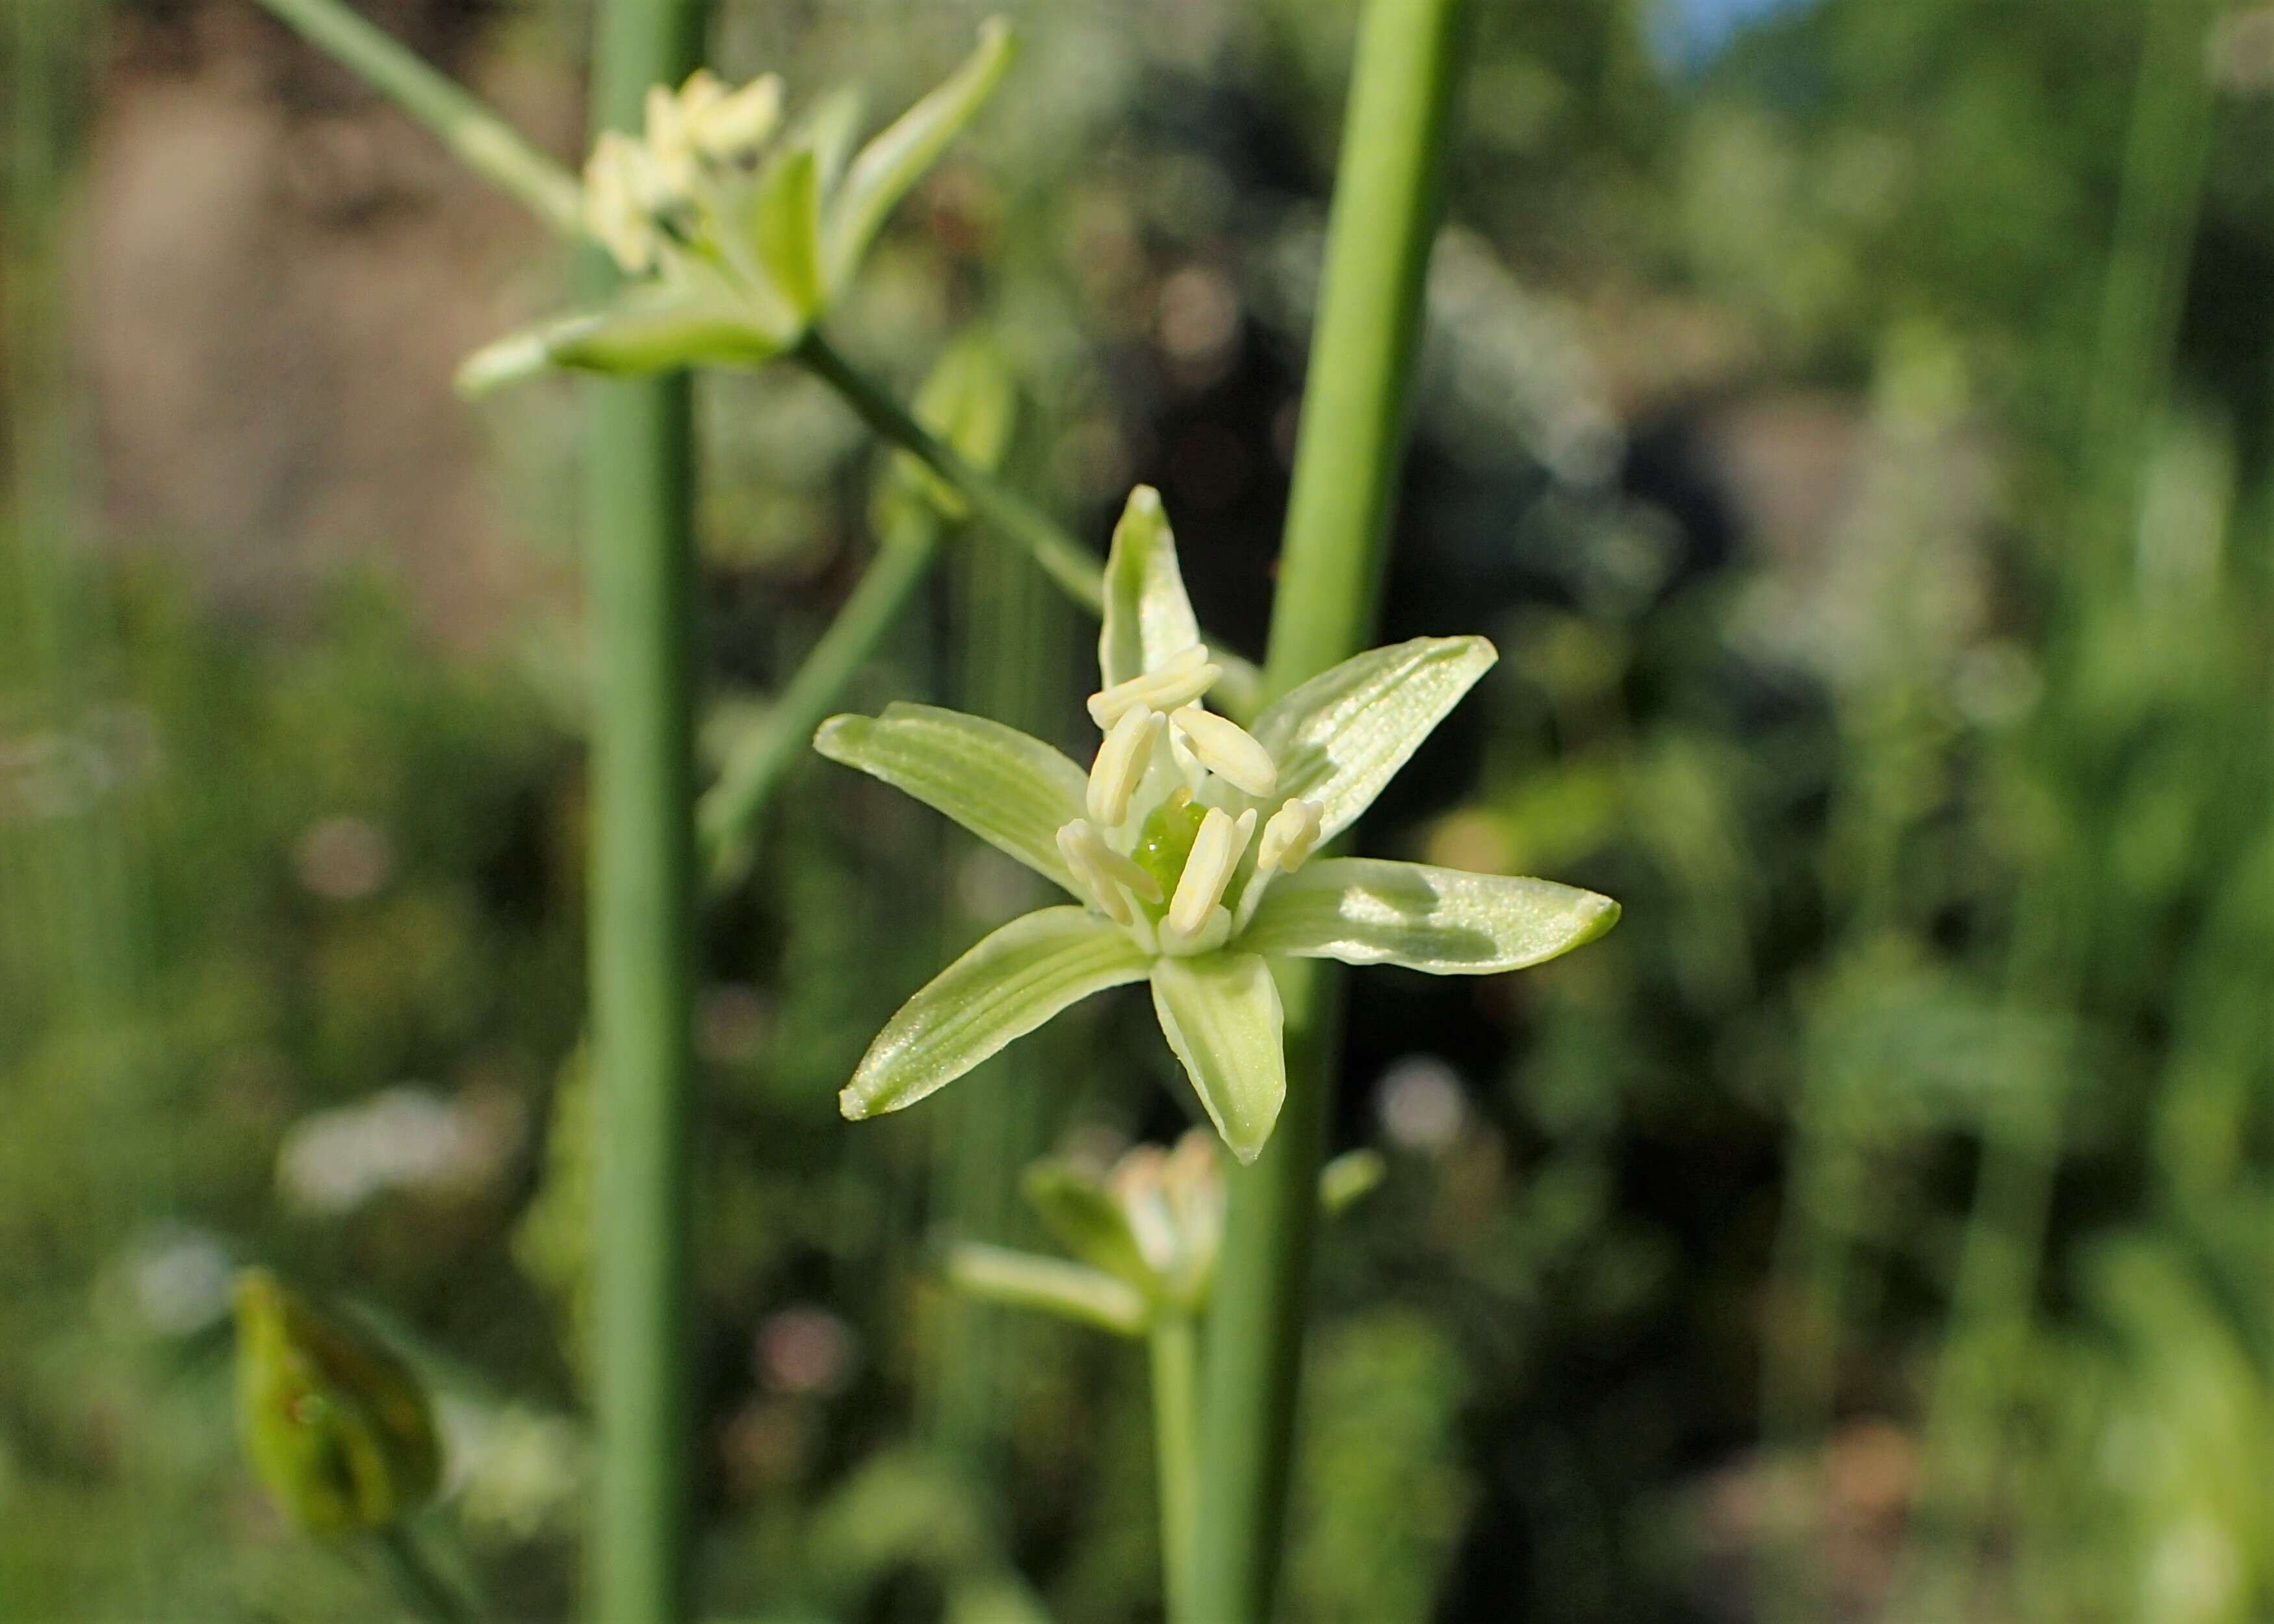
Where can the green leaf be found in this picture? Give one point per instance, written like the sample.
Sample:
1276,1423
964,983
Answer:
785,227
1362,910
891,163
1220,1013
1011,983
1011,791
1078,1208
1148,617
1344,735
1070,1290
651,329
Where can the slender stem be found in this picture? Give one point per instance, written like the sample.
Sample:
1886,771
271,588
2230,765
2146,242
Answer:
422,1589
1175,1346
484,142
1347,456
746,783
640,600
1063,560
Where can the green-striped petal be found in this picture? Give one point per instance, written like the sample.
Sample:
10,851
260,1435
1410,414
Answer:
1070,1290
1011,983
1364,911
1220,1013
651,329
785,227
884,170
1011,791
1148,617
1344,733
1077,1207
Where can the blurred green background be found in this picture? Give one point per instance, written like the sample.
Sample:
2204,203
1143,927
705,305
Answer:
1855,422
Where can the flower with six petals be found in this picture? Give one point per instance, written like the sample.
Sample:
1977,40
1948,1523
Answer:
735,244
1187,850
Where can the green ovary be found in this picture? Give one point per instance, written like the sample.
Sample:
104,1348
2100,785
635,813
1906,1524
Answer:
1165,841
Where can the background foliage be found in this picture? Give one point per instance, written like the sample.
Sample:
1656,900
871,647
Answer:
1856,434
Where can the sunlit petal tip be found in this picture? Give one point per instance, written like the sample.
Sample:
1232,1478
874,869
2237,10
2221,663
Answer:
506,361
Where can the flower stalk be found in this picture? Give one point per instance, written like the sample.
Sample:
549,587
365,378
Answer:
639,592
1348,450
477,137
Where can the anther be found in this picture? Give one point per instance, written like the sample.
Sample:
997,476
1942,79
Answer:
1290,836
1181,679
1215,853
1120,765
1227,749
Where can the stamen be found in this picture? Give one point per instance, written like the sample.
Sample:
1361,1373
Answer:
1290,836
1227,749
1104,870
1183,678
1073,849
1120,765
1215,853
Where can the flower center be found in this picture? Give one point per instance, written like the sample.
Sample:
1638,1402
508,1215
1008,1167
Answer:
1165,848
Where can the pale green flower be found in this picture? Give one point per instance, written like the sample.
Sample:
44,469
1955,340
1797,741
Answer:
1185,848
1145,1235
736,243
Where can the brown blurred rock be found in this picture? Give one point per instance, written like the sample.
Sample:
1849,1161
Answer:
279,273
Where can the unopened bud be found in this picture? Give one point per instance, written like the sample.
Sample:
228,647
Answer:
337,1429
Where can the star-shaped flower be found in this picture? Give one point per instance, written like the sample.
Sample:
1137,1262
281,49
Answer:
735,250
1185,849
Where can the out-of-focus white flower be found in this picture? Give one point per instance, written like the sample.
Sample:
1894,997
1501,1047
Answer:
402,1137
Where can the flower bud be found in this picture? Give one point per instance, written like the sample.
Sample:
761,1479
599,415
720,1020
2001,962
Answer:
337,1428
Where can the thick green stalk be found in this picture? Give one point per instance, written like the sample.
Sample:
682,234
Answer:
1347,456
1175,1346
731,806
479,138
639,596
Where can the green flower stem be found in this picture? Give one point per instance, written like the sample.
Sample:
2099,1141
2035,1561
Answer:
1348,452
422,1589
1175,1347
733,805
1063,560
479,138
639,593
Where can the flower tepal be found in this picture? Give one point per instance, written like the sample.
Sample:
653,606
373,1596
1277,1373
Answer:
1187,849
